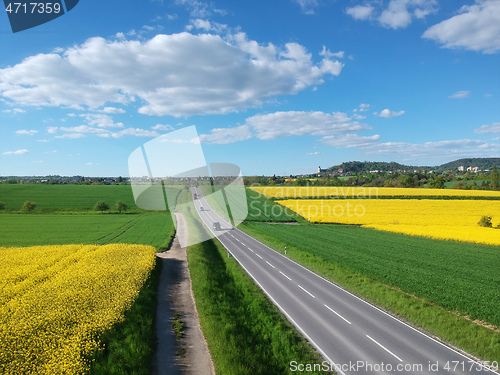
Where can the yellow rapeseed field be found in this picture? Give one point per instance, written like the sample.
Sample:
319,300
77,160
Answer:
56,300
441,219
346,192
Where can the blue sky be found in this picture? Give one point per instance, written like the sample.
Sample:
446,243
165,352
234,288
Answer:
276,87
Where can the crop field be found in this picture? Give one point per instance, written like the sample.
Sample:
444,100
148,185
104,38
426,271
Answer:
56,301
441,219
295,192
48,229
64,197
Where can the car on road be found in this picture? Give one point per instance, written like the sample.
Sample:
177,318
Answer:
201,208
217,225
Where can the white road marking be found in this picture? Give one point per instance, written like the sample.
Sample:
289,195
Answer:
270,264
383,347
259,256
306,291
336,313
285,276
250,250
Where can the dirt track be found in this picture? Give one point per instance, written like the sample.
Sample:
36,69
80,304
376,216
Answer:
190,354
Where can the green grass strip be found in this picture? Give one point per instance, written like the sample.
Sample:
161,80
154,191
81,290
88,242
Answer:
128,347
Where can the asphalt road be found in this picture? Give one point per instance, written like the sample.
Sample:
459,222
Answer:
353,336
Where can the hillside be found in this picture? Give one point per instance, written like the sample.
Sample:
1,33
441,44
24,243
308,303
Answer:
358,166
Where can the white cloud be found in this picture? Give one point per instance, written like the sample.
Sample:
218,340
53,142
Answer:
326,53
100,120
283,124
27,132
71,135
349,140
227,135
358,116
206,74
488,95
459,95
388,113
82,129
14,110
307,6
38,161
113,110
201,24
200,9
314,153
476,28
485,129
52,129
43,140
396,13
163,127
360,12
449,148
135,133
18,152
364,107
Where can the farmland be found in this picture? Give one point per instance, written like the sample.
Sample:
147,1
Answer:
64,197
285,192
91,288
441,219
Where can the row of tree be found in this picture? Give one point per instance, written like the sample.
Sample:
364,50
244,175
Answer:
102,206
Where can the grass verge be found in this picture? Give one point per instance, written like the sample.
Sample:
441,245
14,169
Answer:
128,347
421,312
246,333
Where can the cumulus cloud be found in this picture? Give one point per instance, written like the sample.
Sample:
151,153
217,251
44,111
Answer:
394,14
485,129
163,127
361,12
349,140
70,136
283,124
447,148
476,28
14,110
179,74
135,132
459,95
388,113
307,6
18,152
328,54
227,135
27,132
112,110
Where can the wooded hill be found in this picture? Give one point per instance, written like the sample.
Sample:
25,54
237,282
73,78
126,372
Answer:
358,166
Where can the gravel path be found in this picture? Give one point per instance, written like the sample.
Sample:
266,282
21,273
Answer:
190,354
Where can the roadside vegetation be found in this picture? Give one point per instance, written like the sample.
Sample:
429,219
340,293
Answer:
432,284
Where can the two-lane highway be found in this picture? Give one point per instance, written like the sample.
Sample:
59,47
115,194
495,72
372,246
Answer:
352,335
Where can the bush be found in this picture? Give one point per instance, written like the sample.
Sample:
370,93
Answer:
28,206
121,206
485,222
101,206
2,206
